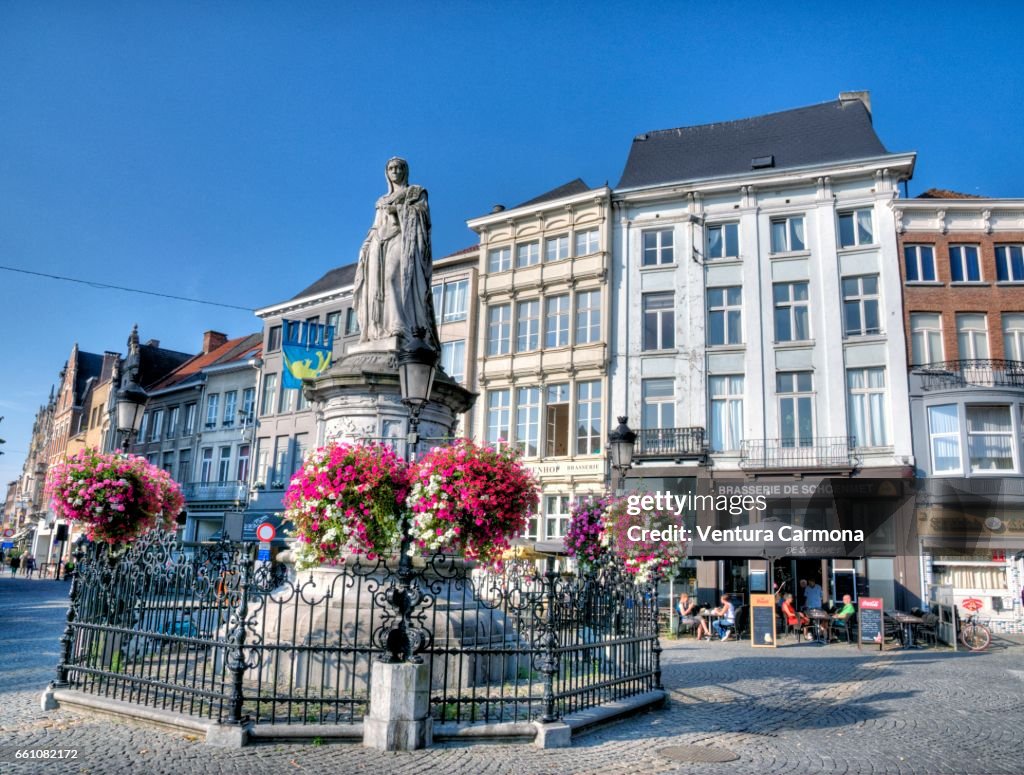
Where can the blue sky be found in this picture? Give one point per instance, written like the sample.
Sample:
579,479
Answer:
233,150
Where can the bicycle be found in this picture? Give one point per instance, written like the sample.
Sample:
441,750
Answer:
974,635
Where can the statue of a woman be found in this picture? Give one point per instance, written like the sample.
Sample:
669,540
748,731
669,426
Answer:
392,283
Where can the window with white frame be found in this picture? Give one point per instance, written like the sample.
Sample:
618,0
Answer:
588,317
791,312
926,338
185,465
351,322
556,248
725,395
242,464
499,259
269,394
212,409
172,422
725,315
527,254
723,240
230,407
919,261
248,399
168,463
556,321
860,305
453,359
556,516
964,266
866,406
527,325
499,329
190,419
206,465
795,391
1010,263
274,339
528,420
972,335
301,448
944,439
450,300
498,417
1013,336
659,332
157,424
556,420
588,418
855,228
990,442
282,446
143,428
657,247
263,462
334,323
586,242
788,234
288,397
224,464
659,403
533,531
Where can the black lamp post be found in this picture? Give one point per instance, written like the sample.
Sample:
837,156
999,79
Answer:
417,367
130,402
621,443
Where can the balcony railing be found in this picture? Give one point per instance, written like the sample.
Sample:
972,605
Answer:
976,372
815,452
670,442
215,491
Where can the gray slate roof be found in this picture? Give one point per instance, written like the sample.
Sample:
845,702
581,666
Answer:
819,134
576,186
336,278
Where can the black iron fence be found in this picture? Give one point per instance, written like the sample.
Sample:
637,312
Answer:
208,632
670,442
809,452
975,372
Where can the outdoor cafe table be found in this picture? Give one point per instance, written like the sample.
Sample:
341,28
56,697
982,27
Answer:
907,622
822,623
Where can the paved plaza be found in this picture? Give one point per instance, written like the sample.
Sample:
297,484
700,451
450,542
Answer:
797,709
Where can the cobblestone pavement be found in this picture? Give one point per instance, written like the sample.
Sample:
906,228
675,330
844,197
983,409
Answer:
797,709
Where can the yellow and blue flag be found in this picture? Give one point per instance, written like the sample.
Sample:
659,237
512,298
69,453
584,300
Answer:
307,351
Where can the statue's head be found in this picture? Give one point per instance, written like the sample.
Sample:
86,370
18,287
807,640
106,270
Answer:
397,172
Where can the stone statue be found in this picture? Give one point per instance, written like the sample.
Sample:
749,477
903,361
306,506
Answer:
392,284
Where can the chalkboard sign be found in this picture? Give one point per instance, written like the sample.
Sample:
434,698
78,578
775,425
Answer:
872,626
762,621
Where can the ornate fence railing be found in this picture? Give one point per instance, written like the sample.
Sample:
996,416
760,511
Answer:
975,372
811,452
213,634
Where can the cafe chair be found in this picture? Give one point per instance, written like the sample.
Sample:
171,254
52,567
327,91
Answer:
927,632
742,617
846,627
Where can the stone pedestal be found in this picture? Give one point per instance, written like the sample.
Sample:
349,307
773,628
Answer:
399,717
360,399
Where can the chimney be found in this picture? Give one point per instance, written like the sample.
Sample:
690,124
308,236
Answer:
153,343
864,97
212,340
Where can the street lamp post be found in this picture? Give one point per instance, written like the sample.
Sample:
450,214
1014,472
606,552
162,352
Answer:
621,443
417,367
131,400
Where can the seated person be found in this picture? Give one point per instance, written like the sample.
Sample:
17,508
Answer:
793,617
846,611
727,613
687,610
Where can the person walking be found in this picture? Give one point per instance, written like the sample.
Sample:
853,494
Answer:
30,565
15,563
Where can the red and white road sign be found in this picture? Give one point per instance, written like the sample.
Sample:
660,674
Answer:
8,533
265,531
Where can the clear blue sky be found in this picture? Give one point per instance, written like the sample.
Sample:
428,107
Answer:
233,150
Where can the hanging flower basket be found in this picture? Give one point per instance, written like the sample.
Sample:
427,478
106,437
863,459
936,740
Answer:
586,539
344,500
470,500
117,497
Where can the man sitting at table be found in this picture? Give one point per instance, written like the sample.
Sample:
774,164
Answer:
727,618
846,611
812,594
794,618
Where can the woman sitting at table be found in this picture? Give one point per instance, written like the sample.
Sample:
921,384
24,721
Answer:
687,610
794,618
